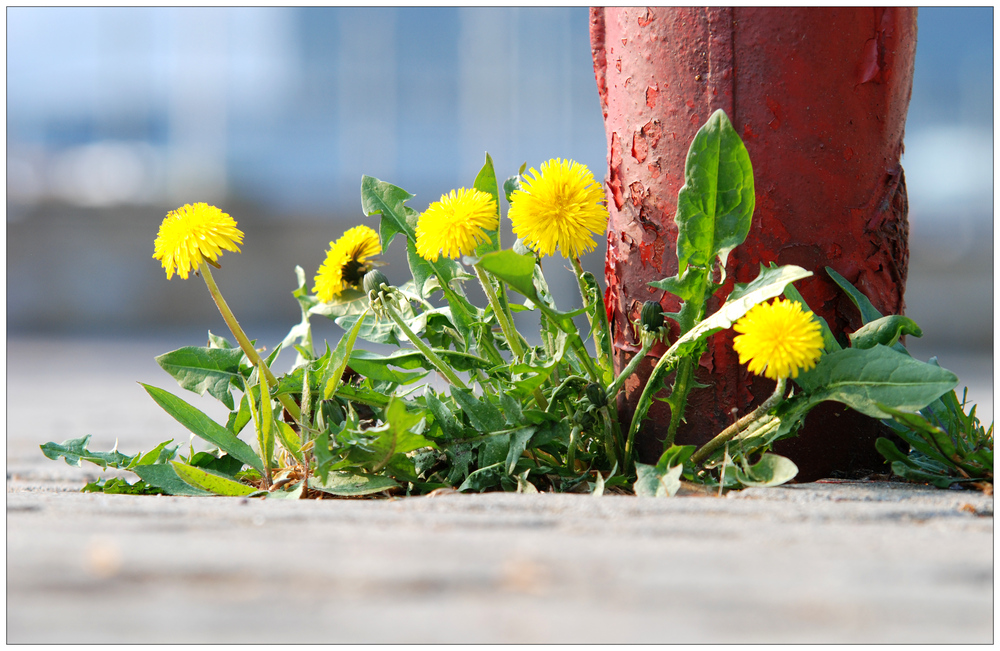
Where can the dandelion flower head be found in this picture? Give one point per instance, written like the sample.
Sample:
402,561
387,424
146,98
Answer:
347,261
561,206
192,234
456,224
778,339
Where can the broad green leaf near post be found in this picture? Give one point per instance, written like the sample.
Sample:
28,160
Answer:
714,209
716,203
861,379
884,331
868,311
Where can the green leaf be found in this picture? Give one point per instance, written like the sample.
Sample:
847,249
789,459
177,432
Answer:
385,199
513,182
443,415
210,482
516,270
215,341
884,331
518,443
599,320
377,367
483,478
716,203
483,415
459,458
159,454
203,370
889,450
289,439
119,486
689,286
239,419
396,435
653,482
863,378
486,181
75,450
201,425
868,311
224,465
162,475
338,361
265,431
346,484
292,493
771,470
675,455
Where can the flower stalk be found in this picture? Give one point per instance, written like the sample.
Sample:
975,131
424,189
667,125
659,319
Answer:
431,356
733,430
244,341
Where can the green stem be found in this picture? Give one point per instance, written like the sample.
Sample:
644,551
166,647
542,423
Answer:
244,341
733,430
584,291
431,356
509,333
630,369
678,399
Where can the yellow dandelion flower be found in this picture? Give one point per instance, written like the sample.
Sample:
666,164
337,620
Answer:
192,234
560,207
778,339
347,261
456,224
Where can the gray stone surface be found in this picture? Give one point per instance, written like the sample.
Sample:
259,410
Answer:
843,562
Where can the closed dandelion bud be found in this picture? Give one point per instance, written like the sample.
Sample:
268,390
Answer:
374,280
596,394
652,316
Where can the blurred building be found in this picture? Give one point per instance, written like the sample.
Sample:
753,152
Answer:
116,115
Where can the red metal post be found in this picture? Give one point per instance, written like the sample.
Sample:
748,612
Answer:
819,96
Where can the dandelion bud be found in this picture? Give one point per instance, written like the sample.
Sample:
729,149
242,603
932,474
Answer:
652,316
374,280
596,394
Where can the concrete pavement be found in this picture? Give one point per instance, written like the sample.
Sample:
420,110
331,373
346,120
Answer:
844,562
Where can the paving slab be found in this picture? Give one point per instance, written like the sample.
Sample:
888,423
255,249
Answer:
826,562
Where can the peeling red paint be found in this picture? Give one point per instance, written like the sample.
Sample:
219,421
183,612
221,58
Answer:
875,62
645,252
646,19
654,169
653,132
651,93
639,148
638,192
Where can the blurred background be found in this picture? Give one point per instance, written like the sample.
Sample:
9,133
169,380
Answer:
117,115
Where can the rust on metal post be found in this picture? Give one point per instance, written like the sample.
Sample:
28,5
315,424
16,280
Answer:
819,96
